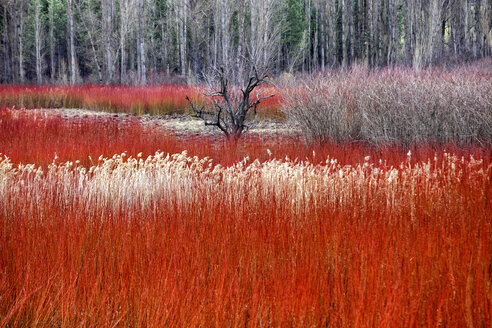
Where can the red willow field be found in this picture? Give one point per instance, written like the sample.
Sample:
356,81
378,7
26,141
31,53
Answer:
112,223
154,100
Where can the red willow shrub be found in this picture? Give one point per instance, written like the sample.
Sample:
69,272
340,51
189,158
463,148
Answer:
154,100
40,137
178,241
173,242
139,100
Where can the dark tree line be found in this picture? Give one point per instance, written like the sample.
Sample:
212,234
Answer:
146,41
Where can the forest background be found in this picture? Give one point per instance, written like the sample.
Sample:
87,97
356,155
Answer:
144,42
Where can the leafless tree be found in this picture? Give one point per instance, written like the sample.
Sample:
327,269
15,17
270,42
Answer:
231,104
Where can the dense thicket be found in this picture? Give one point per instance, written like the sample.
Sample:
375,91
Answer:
395,106
146,41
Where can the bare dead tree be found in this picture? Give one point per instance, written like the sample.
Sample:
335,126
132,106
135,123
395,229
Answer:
229,105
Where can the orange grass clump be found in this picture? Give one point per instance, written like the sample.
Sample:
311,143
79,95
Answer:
359,238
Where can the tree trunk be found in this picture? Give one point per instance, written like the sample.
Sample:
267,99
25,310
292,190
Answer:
182,36
349,17
409,35
332,32
239,51
379,32
131,49
223,32
477,37
370,33
20,36
164,44
466,27
315,57
392,33
322,26
123,31
307,6
356,45
253,15
6,48
73,74
141,55
37,41
107,10
486,27
433,45
52,40
418,49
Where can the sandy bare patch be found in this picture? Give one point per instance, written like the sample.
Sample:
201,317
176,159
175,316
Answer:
177,123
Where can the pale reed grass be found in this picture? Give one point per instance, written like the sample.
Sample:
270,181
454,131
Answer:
126,184
197,243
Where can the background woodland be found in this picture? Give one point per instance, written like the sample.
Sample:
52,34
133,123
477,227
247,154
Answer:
154,41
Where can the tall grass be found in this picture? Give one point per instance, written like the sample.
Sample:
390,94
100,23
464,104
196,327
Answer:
175,241
40,137
344,235
395,106
153,100
138,100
